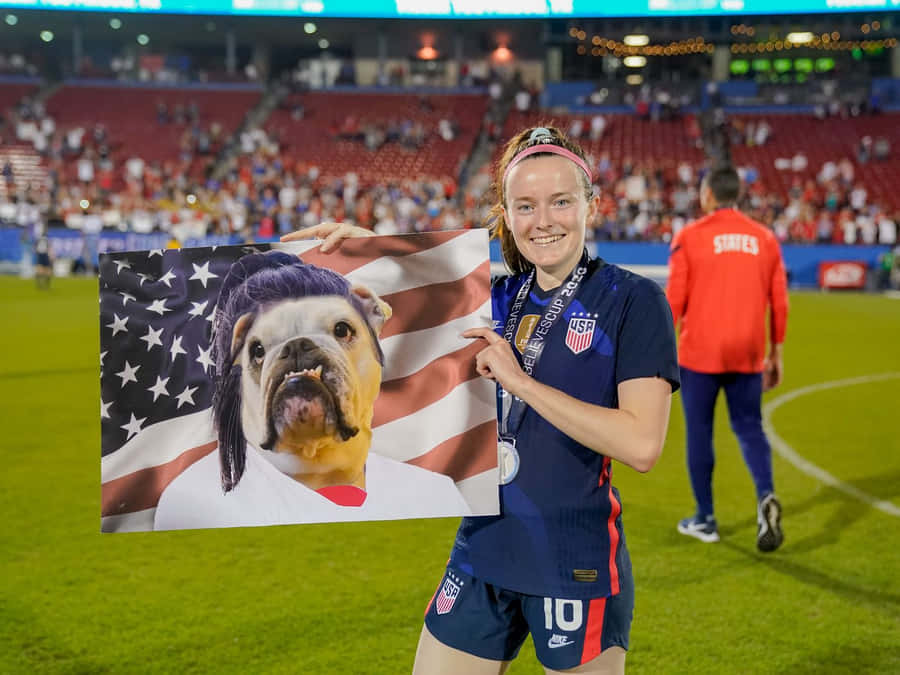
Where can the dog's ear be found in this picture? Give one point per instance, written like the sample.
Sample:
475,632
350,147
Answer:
239,334
377,311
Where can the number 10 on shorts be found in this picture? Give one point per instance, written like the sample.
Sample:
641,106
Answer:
568,614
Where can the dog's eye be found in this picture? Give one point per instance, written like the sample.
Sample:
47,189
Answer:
343,330
257,351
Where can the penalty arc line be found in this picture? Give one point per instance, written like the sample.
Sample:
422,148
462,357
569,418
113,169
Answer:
807,467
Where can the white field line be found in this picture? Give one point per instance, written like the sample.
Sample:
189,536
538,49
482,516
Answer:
787,452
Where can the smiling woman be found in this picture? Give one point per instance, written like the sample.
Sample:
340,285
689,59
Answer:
584,361
583,355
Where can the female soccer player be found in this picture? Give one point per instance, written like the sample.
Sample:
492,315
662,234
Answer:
583,354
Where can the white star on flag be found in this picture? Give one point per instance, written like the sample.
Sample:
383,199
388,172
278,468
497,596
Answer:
187,396
167,278
126,297
199,307
155,251
202,273
102,356
134,425
144,277
152,337
127,374
212,315
204,359
159,389
122,264
118,326
176,348
104,409
159,306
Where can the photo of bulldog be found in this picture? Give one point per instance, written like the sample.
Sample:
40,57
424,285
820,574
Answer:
298,369
300,375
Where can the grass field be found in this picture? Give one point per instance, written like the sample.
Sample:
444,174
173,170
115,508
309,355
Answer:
349,598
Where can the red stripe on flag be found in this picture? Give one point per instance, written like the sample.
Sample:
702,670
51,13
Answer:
141,490
593,634
615,510
464,455
406,395
356,252
430,306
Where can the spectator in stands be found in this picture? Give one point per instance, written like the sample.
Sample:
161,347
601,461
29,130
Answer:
446,129
864,149
887,229
846,171
858,197
576,128
9,176
523,99
762,133
723,338
598,126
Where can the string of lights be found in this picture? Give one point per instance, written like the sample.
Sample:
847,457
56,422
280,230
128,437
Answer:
639,45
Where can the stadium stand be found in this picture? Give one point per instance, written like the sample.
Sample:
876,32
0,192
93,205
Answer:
134,121
173,154
379,136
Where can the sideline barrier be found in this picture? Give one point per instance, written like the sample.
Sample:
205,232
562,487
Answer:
648,258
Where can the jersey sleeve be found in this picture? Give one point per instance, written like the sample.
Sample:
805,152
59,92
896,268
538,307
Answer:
676,288
646,341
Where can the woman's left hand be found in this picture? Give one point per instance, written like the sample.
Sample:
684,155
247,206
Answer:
497,361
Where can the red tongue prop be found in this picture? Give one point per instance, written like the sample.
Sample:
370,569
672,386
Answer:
344,495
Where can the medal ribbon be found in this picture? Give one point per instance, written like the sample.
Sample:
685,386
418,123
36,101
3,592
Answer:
512,408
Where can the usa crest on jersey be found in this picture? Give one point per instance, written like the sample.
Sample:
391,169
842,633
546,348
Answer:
443,603
580,334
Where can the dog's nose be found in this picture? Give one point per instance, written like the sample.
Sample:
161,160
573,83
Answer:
296,348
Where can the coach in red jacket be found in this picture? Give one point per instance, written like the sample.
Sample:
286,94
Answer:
725,272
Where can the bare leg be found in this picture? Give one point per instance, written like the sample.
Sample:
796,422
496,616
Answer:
611,661
433,657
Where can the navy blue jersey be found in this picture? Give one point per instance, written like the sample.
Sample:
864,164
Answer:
559,532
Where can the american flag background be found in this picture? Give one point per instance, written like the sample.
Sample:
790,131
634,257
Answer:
157,375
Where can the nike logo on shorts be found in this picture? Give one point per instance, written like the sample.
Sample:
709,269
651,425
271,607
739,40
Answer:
559,641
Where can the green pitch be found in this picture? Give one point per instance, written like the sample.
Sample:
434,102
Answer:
349,598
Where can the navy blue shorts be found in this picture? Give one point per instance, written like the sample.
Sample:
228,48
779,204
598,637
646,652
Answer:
484,620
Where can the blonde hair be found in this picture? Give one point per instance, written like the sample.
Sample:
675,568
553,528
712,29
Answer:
499,228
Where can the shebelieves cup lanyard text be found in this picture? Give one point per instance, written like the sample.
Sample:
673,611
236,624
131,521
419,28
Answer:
512,408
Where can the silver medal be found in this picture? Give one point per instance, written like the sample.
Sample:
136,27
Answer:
508,461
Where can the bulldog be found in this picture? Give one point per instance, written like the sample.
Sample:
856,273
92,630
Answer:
298,368
310,376
301,368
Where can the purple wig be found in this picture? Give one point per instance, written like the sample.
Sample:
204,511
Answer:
253,283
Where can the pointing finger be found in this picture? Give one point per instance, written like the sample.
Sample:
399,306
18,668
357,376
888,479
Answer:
482,332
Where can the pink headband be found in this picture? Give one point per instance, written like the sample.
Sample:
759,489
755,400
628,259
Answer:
552,149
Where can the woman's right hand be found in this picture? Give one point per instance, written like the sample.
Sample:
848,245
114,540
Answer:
332,234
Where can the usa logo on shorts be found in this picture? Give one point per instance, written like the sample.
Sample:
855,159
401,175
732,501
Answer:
580,334
445,599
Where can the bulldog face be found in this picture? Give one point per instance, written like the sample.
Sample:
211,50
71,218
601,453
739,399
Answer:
310,376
